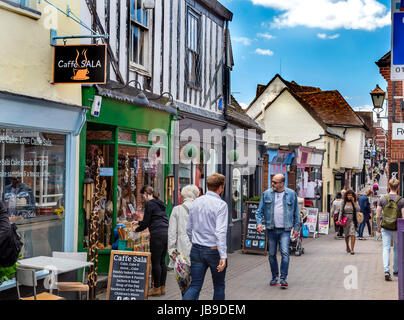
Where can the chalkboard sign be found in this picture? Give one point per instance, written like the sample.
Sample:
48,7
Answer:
128,276
253,241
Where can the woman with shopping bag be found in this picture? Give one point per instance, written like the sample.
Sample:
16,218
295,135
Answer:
179,246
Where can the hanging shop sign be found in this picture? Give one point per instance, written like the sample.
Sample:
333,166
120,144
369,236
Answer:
75,64
253,241
128,277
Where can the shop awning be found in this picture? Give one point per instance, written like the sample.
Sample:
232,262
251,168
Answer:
280,157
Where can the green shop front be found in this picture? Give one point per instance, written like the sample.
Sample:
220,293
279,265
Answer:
125,135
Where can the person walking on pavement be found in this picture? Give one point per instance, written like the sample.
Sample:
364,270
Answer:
348,209
392,206
178,240
335,206
364,205
207,231
279,206
375,187
155,218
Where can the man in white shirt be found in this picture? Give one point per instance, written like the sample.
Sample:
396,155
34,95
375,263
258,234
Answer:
207,230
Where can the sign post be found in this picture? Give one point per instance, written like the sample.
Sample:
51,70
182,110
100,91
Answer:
253,241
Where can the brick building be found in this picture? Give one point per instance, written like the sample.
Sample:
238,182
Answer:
395,148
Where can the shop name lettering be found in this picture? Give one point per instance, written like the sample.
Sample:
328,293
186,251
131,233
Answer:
25,163
130,259
27,141
84,64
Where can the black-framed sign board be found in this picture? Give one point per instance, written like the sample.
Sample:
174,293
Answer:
75,64
128,277
253,241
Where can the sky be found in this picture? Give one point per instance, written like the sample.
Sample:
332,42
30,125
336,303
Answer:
330,44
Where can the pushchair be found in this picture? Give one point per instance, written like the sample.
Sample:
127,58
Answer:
296,244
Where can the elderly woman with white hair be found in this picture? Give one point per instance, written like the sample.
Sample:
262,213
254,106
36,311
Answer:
178,240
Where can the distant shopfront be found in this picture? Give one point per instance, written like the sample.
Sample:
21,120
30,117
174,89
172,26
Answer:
38,160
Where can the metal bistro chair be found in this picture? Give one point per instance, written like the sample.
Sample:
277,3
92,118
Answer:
27,277
73,286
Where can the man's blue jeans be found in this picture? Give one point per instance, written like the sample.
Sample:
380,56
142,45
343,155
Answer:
387,236
203,258
281,237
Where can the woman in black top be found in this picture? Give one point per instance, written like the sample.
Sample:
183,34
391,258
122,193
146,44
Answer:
155,218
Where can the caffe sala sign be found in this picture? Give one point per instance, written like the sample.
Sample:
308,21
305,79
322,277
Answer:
74,64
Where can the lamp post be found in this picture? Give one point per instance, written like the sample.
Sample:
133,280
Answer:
378,96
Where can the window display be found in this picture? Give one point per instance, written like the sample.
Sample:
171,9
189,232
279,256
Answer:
135,168
32,185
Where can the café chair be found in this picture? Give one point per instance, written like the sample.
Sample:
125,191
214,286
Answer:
27,277
73,286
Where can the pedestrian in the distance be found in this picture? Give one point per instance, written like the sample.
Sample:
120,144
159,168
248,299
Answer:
392,206
364,204
375,187
178,240
207,230
335,208
279,206
349,209
156,219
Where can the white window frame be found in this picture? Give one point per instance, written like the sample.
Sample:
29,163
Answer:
29,8
135,66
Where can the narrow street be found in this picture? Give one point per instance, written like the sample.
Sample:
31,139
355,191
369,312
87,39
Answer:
318,274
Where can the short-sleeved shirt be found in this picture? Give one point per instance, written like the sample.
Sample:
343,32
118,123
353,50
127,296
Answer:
383,202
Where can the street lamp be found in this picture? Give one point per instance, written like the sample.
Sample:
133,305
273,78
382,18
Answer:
378,96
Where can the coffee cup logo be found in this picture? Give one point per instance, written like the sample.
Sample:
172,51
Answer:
80,74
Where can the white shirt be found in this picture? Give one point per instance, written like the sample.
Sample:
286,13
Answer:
278,210
207,222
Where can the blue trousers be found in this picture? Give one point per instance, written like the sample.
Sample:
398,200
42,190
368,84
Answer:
203,258
282,238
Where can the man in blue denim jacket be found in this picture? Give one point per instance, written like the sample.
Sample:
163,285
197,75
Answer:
279,206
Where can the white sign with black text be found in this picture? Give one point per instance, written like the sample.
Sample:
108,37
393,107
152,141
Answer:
398,131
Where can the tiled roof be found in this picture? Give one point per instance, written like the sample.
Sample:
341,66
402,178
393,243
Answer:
332,108
237,114
296,88
385,60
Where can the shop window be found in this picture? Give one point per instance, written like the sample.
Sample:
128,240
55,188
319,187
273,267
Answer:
101,135
135,170
138,34
32,185
142,138
125,136
236,196
106,180
27,6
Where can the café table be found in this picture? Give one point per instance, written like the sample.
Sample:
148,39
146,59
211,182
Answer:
57,265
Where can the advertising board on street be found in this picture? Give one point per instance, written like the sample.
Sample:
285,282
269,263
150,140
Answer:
253,241
323,222
312,216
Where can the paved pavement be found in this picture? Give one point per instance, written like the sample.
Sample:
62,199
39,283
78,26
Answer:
324,272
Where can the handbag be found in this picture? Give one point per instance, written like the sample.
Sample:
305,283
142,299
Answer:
359,217
305,231
342,222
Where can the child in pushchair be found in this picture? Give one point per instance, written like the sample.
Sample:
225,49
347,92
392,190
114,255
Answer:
296,244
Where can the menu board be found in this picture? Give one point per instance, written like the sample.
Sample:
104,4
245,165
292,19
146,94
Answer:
128,275
253,241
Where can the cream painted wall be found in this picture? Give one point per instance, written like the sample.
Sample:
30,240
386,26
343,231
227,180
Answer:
266,97
26,55
353,149
286,121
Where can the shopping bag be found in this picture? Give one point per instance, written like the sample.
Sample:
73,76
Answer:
305,231
182,271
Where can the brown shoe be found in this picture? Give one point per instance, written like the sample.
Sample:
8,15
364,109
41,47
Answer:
163,290
155,292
